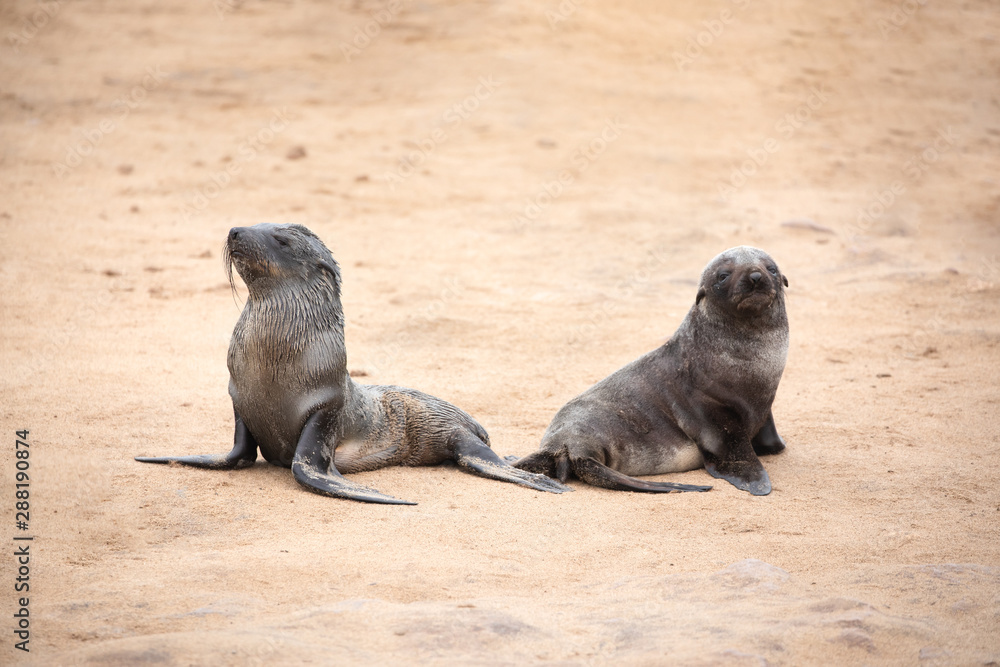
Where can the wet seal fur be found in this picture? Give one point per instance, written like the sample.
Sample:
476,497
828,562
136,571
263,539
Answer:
294,399
703,398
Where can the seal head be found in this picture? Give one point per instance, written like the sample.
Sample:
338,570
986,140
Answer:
743,283
268,256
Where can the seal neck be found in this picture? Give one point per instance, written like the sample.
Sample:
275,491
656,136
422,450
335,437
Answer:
298,312
713,317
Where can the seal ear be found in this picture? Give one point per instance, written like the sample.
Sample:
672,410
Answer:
784,279
701,295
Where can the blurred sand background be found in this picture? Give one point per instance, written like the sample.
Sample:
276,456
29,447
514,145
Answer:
521,196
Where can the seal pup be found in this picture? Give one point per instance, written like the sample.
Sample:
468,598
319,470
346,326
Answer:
294,399
703,398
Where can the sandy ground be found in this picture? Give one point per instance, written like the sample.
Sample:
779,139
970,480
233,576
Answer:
521,196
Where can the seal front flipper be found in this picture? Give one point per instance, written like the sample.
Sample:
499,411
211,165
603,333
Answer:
767,441
740,467
748,476
313,467
243,454
476,456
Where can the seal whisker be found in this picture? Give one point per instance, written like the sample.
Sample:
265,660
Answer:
227,259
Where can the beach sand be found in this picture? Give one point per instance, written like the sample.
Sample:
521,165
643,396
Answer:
521,197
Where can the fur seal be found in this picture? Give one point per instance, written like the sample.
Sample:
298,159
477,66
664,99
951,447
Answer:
703,398
294,400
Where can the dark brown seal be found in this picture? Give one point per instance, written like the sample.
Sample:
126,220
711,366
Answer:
703,398
293,397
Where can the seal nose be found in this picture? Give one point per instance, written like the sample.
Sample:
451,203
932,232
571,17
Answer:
755,277
234,233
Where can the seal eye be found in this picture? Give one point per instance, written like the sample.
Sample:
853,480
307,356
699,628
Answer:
722,276
773,270
281,241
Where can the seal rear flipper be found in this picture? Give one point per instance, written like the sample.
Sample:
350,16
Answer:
475,456
311,458
748,476
242,455
541,462
595,473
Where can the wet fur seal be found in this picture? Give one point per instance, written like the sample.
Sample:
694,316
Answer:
294,400
702,399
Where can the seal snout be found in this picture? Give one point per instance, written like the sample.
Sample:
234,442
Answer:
237,240
244,252
754,285
755,282
232,242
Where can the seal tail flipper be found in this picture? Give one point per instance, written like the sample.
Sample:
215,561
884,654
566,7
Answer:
475,456
593,472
